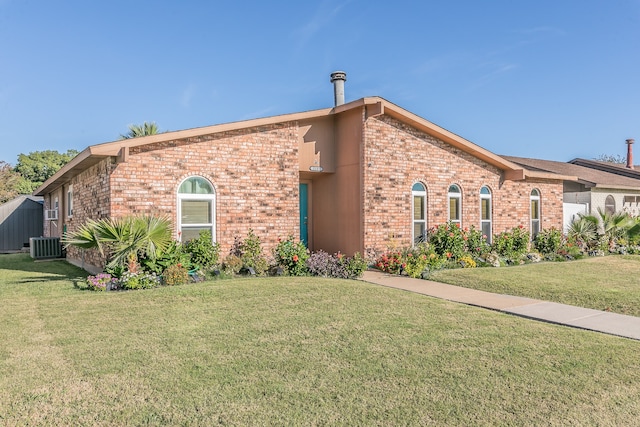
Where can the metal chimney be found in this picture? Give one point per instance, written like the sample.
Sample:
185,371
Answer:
338,78
630,153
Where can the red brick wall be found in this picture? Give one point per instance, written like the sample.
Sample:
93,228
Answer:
254,173
396,156
91,201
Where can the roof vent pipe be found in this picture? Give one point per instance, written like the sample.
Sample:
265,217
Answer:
630,153
338,78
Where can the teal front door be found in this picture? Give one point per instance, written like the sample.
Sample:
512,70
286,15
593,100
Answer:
304,214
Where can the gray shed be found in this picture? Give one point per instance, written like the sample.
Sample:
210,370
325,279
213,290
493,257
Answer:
20,219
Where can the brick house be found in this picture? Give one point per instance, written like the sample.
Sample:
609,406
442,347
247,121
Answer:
359,176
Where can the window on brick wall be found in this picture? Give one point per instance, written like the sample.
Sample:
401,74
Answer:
419,211
485,213
196,208
70,201
535,213
455,204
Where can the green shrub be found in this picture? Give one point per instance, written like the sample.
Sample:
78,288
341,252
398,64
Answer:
475,242
448,240
174,254
232,264
356,265
511,244
204,253
252,255
140,280
249,252
175,274
292,255
548,241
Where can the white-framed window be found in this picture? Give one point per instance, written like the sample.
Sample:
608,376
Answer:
196,208
455,204
419,212
610,204
485,213
70,201
535,213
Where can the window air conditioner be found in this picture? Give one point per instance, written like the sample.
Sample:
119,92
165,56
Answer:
51,214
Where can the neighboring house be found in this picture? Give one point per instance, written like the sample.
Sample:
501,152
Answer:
361,176
599,185
20,219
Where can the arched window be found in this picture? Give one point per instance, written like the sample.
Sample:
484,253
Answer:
485,213
535,213
610,204
196,208
419,196
455,204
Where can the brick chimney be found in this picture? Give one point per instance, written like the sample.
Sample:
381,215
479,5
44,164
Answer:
630,153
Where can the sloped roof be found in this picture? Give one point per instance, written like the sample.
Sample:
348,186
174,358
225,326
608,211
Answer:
95,153
585,175
614,168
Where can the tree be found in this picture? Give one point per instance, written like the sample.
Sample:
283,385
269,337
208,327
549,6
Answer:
9,181
38,166
611,158
145,129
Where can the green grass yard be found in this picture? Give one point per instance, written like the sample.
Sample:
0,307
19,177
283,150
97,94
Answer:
609,283
292,351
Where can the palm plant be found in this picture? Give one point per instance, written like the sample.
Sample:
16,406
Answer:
145,129
583,230
614,226
123,240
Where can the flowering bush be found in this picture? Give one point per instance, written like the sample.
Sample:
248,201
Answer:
467,262
326,265
100,282
391,262
511,244
337,265
448,239
413,261
548,241
476,242
138,280
292,255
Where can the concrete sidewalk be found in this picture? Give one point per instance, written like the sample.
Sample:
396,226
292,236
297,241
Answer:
562,314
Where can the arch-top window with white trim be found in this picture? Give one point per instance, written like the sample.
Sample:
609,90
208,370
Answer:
485,213
419,196
196,208
535,213
455,204
610,204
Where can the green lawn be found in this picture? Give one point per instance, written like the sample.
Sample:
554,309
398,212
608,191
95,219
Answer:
292,351
609,283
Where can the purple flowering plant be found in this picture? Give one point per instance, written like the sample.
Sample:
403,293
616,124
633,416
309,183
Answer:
100,281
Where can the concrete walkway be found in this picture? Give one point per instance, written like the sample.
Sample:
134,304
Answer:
562,314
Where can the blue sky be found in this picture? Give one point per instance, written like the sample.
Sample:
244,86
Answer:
551,79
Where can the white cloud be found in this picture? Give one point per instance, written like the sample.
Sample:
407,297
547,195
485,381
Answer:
187,95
